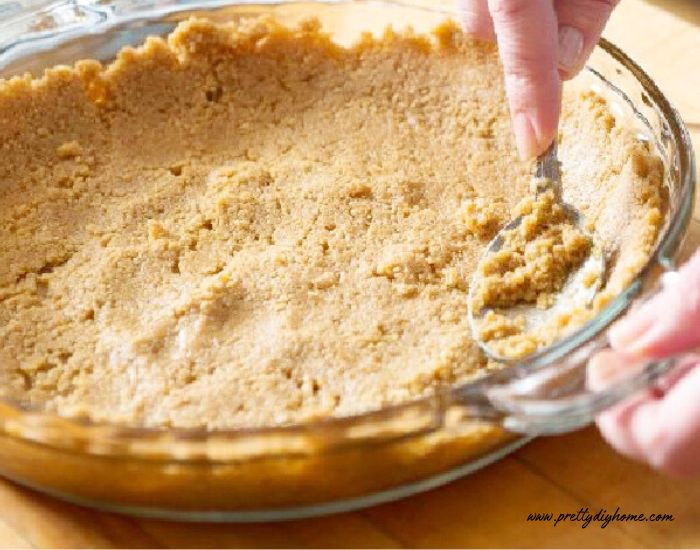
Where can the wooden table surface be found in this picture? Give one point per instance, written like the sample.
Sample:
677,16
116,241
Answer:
489,508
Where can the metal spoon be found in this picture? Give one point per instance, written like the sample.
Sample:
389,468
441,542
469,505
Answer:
573,294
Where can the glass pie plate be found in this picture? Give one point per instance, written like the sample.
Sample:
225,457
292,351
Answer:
340,463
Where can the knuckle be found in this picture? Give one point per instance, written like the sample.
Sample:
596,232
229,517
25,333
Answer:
521,88
595,6
508,9
605,6
528,80
526,68
585,14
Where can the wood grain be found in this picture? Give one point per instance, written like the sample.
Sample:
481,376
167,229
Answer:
487,509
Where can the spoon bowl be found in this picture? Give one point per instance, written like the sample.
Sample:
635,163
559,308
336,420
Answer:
579,289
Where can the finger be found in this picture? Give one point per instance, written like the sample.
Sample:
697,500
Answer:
603,369
667,324
661,425
614,427
581,23
608,367
526,31
667,430
477,19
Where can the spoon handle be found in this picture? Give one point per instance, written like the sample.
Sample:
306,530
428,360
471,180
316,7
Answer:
548,163
547,174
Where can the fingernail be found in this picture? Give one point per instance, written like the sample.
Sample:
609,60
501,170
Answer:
570,49
606,368
627,334
601,370
525,136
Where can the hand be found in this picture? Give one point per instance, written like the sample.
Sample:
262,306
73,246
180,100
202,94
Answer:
661,425
541,43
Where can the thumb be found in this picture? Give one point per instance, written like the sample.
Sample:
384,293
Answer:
581,23
669,323
526,32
